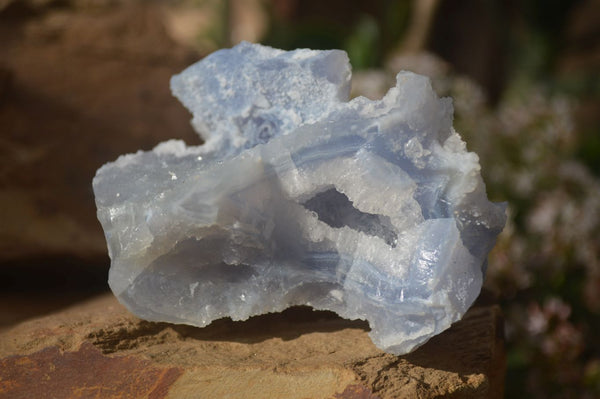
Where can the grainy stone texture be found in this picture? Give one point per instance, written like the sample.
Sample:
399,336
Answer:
99,350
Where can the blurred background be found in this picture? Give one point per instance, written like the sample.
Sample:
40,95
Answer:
83,81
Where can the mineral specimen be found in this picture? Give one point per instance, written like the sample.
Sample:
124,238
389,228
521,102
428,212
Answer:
372,209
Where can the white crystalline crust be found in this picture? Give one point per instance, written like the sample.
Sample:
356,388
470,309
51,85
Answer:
371,209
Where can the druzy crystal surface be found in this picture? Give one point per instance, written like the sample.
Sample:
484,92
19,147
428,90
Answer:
371,209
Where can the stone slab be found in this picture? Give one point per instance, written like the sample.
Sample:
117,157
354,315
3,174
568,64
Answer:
98,349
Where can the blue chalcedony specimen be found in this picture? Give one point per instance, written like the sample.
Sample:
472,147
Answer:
371,209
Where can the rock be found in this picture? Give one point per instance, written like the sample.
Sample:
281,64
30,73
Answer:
372,209
100,350
77,87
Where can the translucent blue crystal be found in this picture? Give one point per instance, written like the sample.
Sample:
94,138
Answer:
371,209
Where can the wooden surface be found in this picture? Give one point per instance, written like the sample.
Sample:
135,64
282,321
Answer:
99,350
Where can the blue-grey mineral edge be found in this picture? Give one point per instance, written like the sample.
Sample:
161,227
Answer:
371,209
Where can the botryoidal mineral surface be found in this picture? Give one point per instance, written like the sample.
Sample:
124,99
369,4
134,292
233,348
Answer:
371,209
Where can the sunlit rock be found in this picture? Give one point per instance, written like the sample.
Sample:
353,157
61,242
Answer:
372,209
